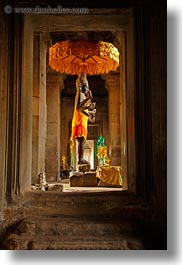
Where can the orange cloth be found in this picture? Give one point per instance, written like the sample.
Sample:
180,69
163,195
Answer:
79,125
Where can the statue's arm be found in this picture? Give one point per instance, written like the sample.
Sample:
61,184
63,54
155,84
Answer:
89,110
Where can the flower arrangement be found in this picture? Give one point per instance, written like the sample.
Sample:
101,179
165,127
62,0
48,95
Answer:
101,152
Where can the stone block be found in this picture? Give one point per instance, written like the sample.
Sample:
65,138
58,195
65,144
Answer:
87,179
55,187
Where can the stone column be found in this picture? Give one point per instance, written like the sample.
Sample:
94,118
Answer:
159,109
124,151
26,106
121,45
3,100
52,167
39,108
113,85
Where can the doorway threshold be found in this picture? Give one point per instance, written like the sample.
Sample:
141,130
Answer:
67,188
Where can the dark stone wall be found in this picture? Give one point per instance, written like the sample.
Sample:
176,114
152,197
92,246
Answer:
151,105
10,47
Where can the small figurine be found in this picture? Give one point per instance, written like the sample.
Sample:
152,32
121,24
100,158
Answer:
41,181
64,162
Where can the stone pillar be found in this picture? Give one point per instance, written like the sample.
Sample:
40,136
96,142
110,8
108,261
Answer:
3,100
124,151
113,85
130,105
15,100
121,45
159,109
143,100
52,166
26,106
39,108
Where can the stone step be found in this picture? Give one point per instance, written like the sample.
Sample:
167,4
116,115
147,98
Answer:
121,242
114,203
66,226
60,220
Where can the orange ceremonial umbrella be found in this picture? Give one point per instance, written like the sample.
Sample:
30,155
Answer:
91,57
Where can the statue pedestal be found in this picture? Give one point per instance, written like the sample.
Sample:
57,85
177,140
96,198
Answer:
86,179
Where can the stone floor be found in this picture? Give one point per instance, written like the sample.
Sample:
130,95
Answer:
67,188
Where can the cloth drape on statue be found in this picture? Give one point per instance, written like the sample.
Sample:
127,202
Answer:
109,174
79,125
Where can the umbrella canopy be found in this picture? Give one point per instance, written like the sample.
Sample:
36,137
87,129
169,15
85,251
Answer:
93,58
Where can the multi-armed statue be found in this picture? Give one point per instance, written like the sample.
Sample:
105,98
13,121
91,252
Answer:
84,111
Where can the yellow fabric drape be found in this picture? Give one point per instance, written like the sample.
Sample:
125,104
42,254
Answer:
109,174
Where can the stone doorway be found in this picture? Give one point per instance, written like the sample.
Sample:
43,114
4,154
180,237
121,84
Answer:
120,107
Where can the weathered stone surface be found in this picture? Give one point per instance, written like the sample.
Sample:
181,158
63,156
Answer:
113,84
103,184
39,110
58,220
52,150
63,242
55,187
84,168
87,179
52,176
116,151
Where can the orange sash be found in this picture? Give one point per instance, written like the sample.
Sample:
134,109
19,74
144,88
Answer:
79,125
